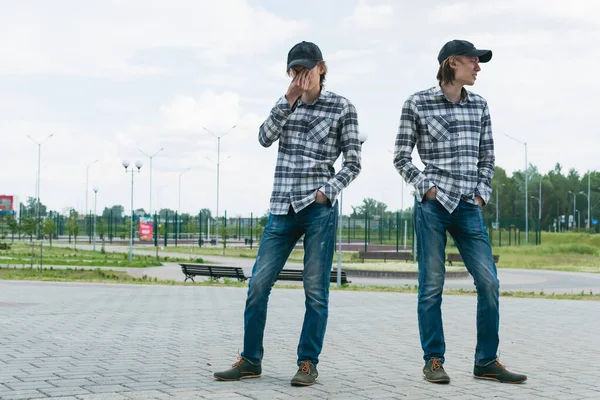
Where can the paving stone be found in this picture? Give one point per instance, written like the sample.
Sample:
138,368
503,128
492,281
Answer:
116,342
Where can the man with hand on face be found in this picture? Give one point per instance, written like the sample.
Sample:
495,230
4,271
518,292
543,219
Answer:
452,130
313,127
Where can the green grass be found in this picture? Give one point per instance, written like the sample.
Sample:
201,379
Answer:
109,276
236,252
21,254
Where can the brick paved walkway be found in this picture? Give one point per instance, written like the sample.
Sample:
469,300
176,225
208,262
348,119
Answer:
93,341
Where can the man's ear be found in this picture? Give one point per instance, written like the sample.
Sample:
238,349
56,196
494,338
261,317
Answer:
322,68
453,61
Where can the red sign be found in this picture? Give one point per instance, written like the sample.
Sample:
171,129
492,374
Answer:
7,204
145,228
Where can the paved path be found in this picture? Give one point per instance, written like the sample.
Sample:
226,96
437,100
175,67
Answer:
94,341
510,279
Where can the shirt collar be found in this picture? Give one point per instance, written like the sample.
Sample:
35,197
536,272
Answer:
322,96
438,92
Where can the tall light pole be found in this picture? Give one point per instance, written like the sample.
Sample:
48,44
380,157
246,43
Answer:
151,157
87,178
588,199
138,165
575,203
37,189
363,138
95,197
539,199
178,226
218,174
589,195
526,184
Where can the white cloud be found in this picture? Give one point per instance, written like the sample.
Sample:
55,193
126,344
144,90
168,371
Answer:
369,16
70,37
576,10
234,81
216,64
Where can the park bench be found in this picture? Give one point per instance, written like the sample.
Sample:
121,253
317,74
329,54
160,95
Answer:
453,257
212,271
384,255
296,275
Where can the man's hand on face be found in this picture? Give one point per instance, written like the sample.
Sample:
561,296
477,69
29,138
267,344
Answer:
430,195
479,201
298,86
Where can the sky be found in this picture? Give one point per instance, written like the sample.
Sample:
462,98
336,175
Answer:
111,78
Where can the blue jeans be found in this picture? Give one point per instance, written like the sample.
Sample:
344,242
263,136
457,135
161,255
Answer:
465,225
317,223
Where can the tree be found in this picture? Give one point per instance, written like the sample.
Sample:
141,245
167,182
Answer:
205,212
28,226
73,228
48,228
162,214
117,213
370,206
31,207
264,219
102,229
13,225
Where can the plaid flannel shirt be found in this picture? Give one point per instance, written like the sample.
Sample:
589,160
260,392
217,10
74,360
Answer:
454,141
311,138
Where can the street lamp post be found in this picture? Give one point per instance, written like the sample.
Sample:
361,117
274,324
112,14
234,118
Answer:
37,194
151,157
588,200
95,198
218,175
589,224
178,227
526,184
87,178
138,165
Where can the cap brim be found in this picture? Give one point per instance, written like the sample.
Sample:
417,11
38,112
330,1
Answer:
484,55
309,64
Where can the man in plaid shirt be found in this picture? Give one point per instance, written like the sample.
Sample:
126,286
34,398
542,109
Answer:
452,130
313,127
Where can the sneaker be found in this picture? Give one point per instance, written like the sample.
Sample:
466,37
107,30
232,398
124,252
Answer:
307,374
434,371
241,369
497,372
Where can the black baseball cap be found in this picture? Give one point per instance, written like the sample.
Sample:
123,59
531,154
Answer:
463,48
306,54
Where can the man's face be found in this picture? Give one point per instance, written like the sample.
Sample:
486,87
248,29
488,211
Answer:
313,75
465,70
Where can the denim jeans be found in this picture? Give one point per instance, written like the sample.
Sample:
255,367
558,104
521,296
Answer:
465,225
317,223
